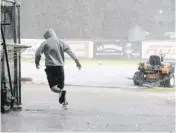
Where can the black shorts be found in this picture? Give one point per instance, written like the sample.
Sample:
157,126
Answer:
55,76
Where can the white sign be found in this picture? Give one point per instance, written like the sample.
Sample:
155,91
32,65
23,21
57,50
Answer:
159,47
80,48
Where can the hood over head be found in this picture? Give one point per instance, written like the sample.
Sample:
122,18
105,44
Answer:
49,33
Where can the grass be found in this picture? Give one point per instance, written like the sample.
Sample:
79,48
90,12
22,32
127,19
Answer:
153,90
95,62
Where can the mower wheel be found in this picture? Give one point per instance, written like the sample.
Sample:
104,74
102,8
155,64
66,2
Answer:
135,82
170,83
136,77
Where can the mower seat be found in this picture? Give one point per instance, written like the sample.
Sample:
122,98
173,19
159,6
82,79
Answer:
155,60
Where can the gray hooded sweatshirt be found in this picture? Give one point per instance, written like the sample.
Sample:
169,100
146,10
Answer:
53,49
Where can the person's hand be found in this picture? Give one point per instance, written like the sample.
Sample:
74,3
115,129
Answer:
38,66
78,65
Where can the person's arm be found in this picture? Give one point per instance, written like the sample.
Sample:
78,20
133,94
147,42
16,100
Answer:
68,50
38,54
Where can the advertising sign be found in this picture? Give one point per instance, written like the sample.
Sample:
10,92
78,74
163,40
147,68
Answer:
82,49
117,50
159,47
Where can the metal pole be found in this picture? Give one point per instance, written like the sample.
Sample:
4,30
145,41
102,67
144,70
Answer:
15,54
3,57
19,41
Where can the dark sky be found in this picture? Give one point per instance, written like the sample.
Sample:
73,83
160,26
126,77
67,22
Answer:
93,19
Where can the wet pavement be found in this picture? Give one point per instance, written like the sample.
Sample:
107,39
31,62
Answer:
92,109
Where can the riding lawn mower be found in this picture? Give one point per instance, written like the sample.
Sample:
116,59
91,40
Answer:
155,72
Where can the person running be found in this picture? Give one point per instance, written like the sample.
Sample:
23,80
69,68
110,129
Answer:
53,50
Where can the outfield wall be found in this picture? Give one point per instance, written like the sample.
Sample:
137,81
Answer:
110,49
82,48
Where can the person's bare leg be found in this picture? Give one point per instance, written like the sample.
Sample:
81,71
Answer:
55,89
58,90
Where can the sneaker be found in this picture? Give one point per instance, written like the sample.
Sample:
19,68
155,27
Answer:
65,105
62,97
